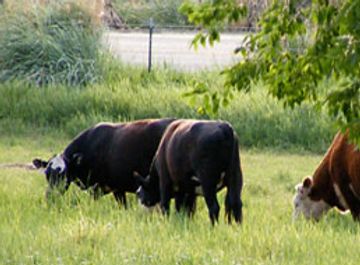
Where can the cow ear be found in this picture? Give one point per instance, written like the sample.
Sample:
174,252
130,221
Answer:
303,189
307,182
140,180
39,163
77,158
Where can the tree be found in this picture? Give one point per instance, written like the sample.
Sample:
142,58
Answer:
302,52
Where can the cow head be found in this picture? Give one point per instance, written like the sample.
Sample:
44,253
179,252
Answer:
55,171
148,194
305,205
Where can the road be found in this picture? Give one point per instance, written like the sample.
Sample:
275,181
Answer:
173,49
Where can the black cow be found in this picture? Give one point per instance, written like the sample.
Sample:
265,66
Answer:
195,155
104,157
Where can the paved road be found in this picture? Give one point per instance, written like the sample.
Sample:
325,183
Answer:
173,49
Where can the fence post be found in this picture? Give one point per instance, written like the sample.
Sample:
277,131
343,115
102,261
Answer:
151,28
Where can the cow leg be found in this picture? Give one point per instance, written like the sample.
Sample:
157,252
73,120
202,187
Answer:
190,203
96,192
233,204
209,189
165,197
120,197
166,188
179,200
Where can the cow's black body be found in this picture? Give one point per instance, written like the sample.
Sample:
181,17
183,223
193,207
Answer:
192,154
104,157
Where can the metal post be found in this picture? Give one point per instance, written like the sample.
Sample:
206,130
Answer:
151,27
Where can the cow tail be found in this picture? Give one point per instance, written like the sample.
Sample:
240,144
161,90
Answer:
234,182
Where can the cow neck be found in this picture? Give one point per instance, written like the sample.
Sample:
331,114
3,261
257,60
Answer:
322,187
153,178
67,163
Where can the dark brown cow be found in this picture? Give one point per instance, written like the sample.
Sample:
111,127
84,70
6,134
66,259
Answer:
335,183
191,155
104,157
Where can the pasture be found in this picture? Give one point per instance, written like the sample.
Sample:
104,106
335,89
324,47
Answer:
39,117
75,229
278,147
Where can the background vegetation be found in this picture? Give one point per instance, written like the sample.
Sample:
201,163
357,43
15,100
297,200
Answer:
58,44
297,51
38,119
166,12
58,48
129,94
137,13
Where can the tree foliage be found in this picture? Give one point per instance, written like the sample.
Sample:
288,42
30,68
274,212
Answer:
297,52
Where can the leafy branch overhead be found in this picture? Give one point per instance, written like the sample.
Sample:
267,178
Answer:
212,16
298,52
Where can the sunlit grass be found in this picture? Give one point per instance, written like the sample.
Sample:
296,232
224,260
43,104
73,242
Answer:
75,229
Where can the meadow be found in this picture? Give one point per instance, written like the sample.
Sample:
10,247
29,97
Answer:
42,110
74,229
277,146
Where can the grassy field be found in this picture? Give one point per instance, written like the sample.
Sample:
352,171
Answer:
38,119
278,147
77,230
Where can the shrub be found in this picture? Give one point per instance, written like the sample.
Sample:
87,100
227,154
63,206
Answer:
164,12
58,44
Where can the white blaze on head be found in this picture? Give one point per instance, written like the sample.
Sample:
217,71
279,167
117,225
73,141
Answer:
57,162
303,204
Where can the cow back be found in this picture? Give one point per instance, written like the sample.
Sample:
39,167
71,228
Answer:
111,152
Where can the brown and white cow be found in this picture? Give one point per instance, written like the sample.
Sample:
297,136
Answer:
195,157
103,158
335,183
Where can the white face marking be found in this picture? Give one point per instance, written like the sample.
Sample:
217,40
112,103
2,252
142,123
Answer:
57,163
304,205
340,196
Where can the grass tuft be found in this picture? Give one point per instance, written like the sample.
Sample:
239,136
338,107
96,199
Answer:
58,44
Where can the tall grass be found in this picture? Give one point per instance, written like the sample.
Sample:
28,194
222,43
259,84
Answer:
130,93
56,44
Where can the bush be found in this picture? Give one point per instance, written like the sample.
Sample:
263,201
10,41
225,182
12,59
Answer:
164,12
54,45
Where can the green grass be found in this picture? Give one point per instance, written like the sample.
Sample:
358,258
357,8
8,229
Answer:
77,230
41,121
130,93
58,44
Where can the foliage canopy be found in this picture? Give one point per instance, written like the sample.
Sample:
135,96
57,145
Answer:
298,51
